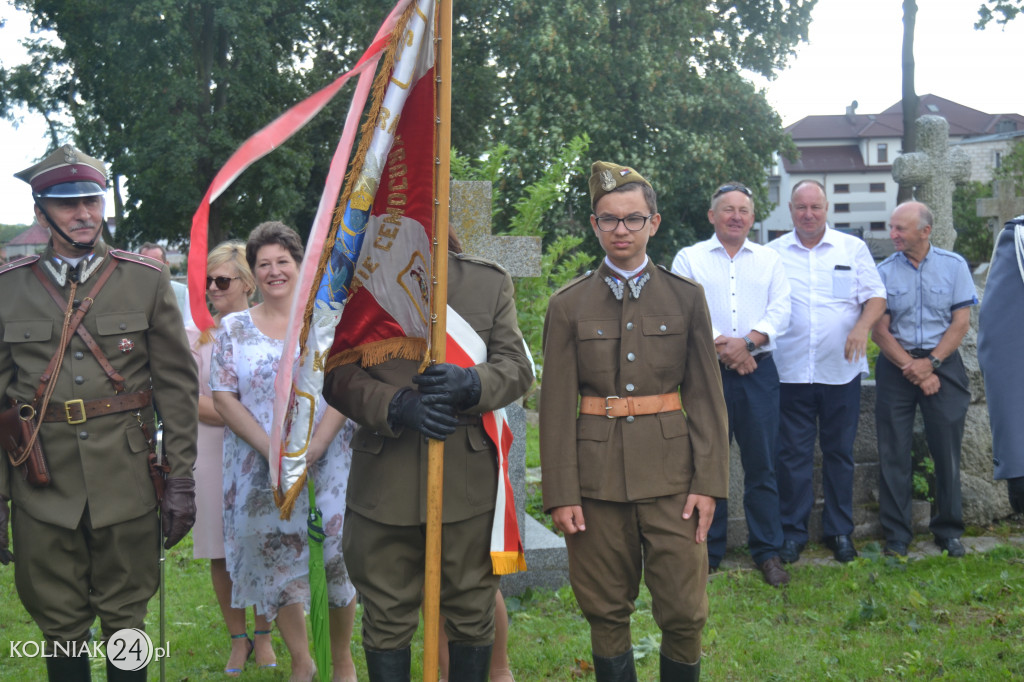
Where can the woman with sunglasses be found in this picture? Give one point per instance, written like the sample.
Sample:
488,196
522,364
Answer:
267,556
229,285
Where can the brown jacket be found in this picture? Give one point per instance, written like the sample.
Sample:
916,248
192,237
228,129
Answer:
596,345
136,323
389,469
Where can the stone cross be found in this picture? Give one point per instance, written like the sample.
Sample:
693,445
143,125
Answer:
1004,206
471,217
934,171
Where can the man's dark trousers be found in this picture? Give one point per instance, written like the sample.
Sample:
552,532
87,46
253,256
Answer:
809,412
944,416
753,404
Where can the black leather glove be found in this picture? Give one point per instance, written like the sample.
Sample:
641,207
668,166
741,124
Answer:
450,385
5,553
409,409
178,509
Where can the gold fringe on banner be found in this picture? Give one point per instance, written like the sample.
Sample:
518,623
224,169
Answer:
379,352
286,502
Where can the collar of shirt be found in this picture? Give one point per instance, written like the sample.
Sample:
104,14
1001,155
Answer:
623,273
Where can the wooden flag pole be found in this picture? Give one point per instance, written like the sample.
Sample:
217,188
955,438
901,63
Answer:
438,329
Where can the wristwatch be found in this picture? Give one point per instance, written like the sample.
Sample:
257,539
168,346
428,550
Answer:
936,363
751,346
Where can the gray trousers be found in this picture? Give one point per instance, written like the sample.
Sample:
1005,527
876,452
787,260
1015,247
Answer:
944,416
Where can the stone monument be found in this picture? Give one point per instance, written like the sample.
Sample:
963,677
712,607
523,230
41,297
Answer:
934,172
1004,206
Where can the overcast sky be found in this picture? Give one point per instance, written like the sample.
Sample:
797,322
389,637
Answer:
853,54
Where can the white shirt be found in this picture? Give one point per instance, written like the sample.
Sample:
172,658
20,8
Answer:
747,292
830,282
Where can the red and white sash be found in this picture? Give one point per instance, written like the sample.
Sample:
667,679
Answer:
465,348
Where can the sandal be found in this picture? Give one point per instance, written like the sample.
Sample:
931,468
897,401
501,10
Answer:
272,664
235,672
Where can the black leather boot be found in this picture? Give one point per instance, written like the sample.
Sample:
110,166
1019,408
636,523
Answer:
616,669
388,666
75,669
1015,489
115,674
676,671
468,663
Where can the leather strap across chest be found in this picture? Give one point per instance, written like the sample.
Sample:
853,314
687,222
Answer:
75,327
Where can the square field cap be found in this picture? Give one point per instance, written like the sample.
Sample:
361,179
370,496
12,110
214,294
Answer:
605,177
66,172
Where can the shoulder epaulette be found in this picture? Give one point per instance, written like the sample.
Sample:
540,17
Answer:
677,275
14,264
130,257
586,275
480,261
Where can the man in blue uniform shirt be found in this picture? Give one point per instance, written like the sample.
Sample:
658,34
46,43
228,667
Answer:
929,292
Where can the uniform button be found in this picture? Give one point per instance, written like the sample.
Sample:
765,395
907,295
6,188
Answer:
600,332
630,356
28,335
663,328
84,435
629,387
630,419
122,326
79,355
629,326
79,380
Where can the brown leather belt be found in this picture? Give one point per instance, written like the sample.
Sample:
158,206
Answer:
613,406
78,411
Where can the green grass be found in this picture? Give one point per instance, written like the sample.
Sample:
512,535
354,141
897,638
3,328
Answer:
875,619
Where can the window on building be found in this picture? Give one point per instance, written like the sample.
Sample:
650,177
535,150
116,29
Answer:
840,189
998,160
883,152
842,208
877,186
877,226
842,226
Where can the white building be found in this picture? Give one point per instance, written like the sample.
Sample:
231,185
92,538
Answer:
852,154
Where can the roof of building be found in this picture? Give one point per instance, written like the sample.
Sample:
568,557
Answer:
36,234
832,159
963,121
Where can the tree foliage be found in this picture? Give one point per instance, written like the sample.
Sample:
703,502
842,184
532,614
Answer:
166,90
999,11
974,238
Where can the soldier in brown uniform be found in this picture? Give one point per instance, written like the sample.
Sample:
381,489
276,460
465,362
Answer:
86,542
383,538
634,485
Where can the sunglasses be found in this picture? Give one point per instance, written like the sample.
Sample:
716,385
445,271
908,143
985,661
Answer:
731,188
222,282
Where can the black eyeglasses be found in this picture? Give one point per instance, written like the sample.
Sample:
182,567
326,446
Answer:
732,188
633,223
222,282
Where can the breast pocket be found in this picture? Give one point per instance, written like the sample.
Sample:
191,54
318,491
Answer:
112,324
29,341
842,284
664,340
897,299
598,345
937,298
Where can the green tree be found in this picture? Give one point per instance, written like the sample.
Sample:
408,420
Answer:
165,91
974,239
999,11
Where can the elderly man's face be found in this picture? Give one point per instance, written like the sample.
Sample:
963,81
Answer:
904,232
81,218
808,209
732,216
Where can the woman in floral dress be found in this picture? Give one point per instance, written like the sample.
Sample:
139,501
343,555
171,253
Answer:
267,557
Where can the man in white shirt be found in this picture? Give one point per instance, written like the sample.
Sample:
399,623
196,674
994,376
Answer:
748,297
157,252
837,296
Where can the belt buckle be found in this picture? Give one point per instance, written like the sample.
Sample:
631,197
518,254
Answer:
608,408
80,404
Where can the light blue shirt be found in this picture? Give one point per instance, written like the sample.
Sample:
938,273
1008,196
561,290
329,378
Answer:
921,300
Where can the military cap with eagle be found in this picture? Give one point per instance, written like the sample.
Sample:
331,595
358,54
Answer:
67,172
605,177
